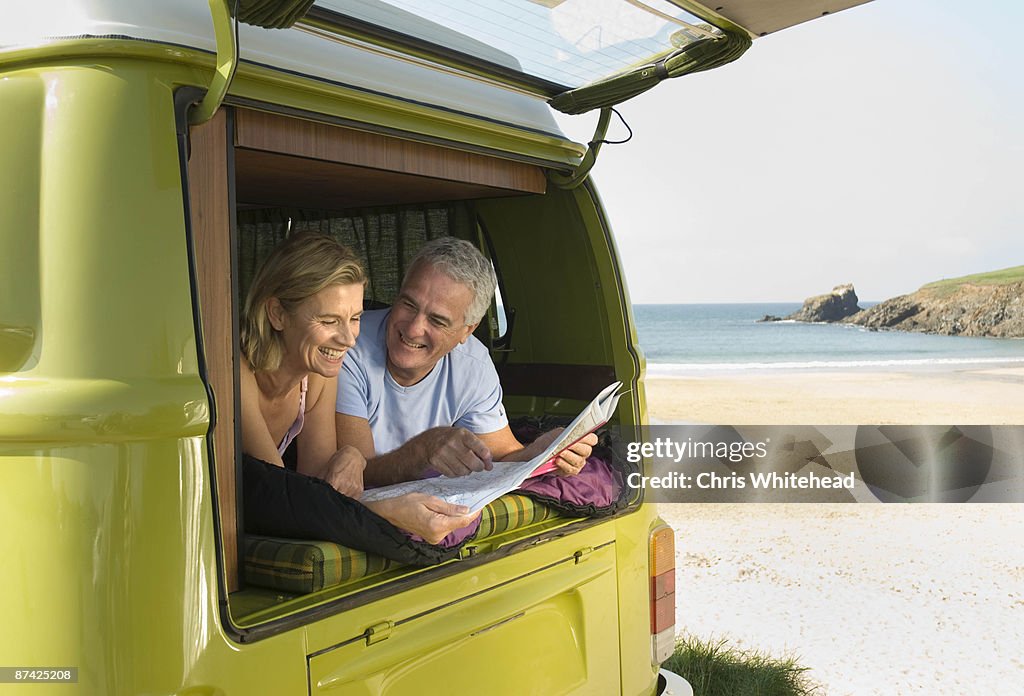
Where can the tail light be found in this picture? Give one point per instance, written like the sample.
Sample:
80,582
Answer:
663,592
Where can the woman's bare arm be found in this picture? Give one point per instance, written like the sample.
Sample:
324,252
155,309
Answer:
319,454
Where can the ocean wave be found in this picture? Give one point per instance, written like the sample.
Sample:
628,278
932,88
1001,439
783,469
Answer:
669,369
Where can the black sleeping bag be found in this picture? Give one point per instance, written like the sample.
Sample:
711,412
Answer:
283,503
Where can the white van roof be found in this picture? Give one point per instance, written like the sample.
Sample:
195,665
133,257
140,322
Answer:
299,50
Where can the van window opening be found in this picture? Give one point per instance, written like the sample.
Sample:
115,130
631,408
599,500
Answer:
341,182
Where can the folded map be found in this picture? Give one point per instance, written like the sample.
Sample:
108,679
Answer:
477,489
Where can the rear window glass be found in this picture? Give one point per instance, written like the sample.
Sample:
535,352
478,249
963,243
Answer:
568,42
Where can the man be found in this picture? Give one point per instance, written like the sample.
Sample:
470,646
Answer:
419,393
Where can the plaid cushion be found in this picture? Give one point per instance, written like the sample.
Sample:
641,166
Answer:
299,567
511,511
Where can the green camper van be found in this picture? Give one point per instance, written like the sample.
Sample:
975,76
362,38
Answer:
153,153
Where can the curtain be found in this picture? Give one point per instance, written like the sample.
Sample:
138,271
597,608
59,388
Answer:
386,240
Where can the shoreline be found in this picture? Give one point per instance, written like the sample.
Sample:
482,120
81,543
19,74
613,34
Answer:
925,365
976,394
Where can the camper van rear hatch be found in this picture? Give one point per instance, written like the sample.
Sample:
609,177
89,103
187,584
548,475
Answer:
549,45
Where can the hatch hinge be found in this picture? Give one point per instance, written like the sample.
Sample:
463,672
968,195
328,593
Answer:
583,554
576,176
378,632
227,62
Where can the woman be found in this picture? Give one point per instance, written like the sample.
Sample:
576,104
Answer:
300,318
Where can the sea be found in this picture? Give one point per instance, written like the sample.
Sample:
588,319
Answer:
682,339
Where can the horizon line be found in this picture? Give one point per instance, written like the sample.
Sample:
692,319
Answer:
800,302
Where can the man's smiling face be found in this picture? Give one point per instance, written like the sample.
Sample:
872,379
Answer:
426,322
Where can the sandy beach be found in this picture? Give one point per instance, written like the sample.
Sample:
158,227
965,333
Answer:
883,600
980,395
879,599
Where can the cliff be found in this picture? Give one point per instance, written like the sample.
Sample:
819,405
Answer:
985,304
964,309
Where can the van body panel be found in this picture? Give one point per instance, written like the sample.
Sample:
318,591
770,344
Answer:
20,293
520,229
113,570
551,626
626,350
96,216
576,274
267,87
631,547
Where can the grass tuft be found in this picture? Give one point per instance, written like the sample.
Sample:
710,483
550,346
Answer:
714,668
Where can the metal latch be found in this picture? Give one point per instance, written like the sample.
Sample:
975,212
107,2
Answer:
583,554
378,632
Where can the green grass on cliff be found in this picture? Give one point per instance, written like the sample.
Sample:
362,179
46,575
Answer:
1003,277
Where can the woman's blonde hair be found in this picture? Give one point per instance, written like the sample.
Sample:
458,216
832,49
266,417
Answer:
299,268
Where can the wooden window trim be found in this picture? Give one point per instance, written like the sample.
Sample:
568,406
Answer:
212,215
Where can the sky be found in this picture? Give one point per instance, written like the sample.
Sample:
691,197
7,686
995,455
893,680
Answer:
880,146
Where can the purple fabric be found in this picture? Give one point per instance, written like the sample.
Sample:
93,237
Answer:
597,485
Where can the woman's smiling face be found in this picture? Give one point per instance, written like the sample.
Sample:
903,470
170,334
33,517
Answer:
320,330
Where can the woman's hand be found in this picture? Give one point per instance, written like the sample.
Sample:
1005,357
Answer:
344,471
424,515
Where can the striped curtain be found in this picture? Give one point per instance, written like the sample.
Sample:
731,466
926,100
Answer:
386,240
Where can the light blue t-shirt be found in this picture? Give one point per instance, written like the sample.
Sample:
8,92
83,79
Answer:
462,389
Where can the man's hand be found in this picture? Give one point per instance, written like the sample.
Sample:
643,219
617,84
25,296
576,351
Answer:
424,515
572,460
455,451
344,471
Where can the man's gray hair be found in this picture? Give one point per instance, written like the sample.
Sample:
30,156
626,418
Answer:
463,263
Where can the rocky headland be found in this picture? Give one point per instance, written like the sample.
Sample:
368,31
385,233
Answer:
833,306
964,310
988,304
